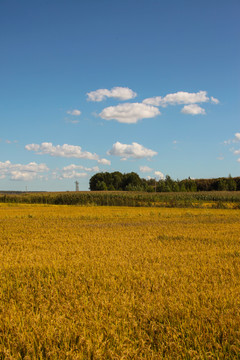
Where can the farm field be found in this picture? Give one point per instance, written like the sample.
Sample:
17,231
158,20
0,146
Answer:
204,199
89,282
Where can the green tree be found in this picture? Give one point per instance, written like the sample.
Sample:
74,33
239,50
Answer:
101,186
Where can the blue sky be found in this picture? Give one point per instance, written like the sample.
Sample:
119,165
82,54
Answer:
149,86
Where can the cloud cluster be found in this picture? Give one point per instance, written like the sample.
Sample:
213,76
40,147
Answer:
193,109
190,101
72,171
120,93
129,113
26,172
178,98
135,151
67,151
235,140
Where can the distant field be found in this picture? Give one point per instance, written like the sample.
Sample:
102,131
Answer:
92,282
211,199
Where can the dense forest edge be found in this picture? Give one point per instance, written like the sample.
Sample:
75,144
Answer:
106,181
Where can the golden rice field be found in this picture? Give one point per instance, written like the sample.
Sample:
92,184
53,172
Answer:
119,283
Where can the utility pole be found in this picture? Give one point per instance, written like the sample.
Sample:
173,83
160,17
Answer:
77,185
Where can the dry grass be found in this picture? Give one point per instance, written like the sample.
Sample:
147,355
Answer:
119,283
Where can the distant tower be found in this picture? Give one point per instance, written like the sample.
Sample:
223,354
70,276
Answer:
77,185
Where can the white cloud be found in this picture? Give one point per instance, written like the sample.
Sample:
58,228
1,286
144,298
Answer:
155,101
145,169
74,112
121,93
178,98
235,140
237,137
193,109
104,162
68,151
72,171
160,175
72,174
238,160
80,167
129,113
22,172
214,100
237,152
135,151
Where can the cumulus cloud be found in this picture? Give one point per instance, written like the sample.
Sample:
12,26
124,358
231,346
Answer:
178,98
236,152
27,172
129,113
193,109
160,175
68,151
135,151
74,112
145,169
121,93
104,162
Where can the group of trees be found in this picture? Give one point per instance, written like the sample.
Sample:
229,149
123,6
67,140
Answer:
132,182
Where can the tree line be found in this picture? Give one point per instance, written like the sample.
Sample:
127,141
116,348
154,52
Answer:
116,181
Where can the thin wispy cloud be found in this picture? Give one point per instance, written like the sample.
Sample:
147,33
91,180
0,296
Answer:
120,93
234,141
80,167
74,112
134,151
214,100
129,113
71,121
